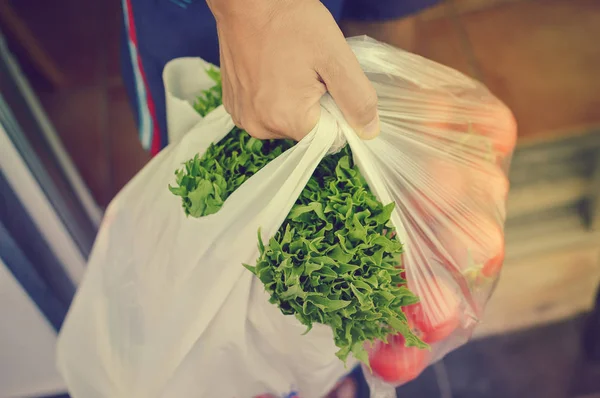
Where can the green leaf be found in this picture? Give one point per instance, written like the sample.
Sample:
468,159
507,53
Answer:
359,352
311,267
315,207
179,191
340,255
251,269
358,231
362,298
386,213
199,196
293,292
328,305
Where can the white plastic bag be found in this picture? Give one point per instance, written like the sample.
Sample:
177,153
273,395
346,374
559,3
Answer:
166,308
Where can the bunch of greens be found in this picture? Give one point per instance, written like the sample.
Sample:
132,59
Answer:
335,259
212,98
205,182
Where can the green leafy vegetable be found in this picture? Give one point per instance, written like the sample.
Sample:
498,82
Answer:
204,183
335,260
212,98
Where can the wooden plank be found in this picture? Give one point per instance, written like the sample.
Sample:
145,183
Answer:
552,271
573,157
556,150
552,170
543,288
572,134
546,195
558,229
557,136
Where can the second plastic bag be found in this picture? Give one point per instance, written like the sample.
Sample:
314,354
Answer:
166,308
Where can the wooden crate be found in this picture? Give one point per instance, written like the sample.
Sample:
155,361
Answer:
550,279
552,270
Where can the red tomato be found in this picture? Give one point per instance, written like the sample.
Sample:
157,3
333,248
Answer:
432,332
505,134
449,182
457,184
500,127
395,363
477,242
437,318
440,187
490,184
492,267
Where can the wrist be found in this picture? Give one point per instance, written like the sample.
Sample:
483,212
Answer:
243,9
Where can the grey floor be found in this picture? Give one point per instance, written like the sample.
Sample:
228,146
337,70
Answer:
545,362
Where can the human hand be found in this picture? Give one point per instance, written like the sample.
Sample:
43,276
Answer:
278,58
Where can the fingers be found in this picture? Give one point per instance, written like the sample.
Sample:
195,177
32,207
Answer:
295,113
276,110
351,90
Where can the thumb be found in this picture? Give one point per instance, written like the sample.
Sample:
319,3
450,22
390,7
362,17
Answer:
352,91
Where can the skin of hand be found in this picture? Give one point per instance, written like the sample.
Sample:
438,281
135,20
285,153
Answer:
278,58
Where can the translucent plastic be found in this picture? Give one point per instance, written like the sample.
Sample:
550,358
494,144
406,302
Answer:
167,310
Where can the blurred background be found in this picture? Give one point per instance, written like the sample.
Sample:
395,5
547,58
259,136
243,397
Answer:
68,143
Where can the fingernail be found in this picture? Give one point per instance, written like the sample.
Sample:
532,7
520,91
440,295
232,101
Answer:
371,130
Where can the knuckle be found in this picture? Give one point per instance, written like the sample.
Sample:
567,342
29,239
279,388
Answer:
255,128
245,121
228,104
236,119
261,135
228,107
271,118
291,119
269,112
277,113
